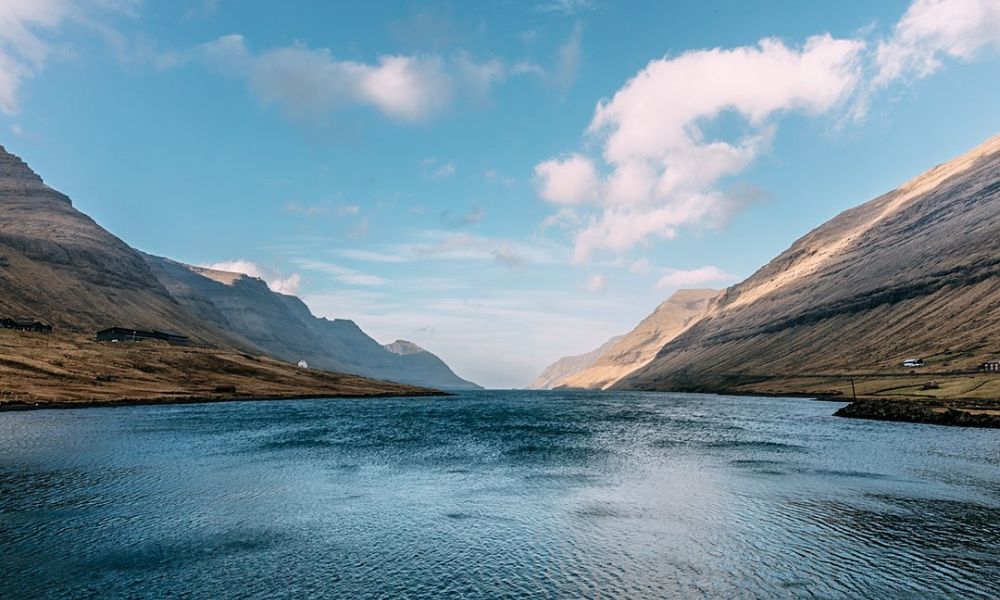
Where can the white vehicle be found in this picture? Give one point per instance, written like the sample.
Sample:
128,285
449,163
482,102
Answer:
913,362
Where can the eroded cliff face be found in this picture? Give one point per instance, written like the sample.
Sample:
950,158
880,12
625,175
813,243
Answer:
915,272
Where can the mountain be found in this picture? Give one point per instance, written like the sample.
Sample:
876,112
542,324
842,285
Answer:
554,375
912,273
283,327
639,346
59,266
414,359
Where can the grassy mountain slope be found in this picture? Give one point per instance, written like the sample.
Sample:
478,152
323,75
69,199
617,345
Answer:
913,273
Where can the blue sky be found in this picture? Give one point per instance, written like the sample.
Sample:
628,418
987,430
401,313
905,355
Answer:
503,183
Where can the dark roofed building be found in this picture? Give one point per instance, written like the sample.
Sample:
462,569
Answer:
122,334
25,324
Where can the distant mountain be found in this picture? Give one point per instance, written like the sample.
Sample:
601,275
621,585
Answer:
912,273
554,375
283,327
639,346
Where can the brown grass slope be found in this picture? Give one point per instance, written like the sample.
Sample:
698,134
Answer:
61,369
915,272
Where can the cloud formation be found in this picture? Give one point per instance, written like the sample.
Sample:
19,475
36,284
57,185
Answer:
658,170
275,281
311,82
596,283
932,30
341,273
27,32
677,279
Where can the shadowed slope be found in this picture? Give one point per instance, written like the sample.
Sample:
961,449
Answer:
283,327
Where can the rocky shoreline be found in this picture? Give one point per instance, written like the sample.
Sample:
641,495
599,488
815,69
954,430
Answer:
956,413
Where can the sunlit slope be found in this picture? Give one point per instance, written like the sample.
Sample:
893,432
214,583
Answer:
913,273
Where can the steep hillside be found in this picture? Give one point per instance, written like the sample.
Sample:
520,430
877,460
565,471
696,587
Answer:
59,266
554,375
639,346
415,359
913,273
283,327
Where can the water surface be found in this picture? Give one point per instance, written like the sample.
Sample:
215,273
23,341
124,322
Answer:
496,495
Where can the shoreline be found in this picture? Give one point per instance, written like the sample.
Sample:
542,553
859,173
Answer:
16,406
951,413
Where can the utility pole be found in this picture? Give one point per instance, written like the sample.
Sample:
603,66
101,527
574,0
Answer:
854,391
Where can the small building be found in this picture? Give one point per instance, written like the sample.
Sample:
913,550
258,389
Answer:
913,362
124,334
25,324
302,364
990,365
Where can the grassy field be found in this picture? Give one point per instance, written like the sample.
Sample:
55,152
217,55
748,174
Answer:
60,368
891,386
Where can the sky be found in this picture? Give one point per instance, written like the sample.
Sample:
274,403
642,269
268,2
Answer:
502,183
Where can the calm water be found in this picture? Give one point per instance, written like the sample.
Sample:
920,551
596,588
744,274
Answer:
496,495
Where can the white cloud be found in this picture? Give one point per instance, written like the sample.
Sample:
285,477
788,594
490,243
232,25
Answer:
309,210
444,245
494,175
287,285
596,283
433,168
505,254
27,32
445,171
934,29
340,273
568,60
372,256
569,180
566,7
677,279
275,281
662,169
471,217
310,82
640,267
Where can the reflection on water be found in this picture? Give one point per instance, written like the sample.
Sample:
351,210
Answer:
496,494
